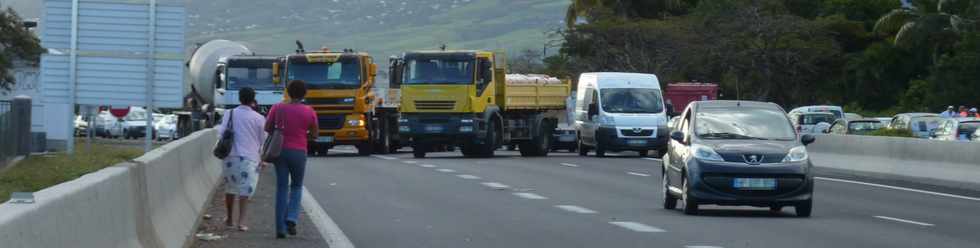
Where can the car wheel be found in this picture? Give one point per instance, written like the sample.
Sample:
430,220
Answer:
582,150
805,208
670,202
690,204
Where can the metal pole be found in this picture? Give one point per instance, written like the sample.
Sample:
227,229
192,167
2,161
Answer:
150,75
72,77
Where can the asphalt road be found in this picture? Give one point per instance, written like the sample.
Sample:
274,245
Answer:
569,201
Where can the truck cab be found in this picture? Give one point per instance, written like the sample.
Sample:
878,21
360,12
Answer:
339,90
237,72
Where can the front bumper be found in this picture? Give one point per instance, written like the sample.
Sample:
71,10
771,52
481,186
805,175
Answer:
335,130
713,183
612,138
451,128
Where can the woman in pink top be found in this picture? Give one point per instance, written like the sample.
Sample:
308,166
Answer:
299,124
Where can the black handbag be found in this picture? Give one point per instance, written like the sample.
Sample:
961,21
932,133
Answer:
223,148
272,147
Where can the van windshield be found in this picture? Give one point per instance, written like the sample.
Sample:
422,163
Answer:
638,101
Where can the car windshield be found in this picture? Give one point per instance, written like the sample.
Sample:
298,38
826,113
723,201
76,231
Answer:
967,128
259,78
343,74
625,100
443,70
862,127
136,116
813,119
743,123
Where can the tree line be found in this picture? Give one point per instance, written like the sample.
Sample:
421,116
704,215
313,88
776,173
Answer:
873,56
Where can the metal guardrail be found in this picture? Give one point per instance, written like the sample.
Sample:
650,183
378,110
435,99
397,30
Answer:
7,148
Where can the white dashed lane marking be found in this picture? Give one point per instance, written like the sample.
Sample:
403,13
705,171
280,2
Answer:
702,246
471,177
495,185
384,157
446,170
410,162
427,165
531,196
576,209
636,227
903,220
652,159
638,174
569,165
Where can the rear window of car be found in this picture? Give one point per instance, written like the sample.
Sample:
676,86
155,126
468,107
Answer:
967,128
812,119
864,126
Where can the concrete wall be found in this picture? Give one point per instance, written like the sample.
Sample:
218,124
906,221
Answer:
945,163
153,201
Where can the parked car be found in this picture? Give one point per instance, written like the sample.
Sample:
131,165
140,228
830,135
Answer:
885,121
956,129
737,153
620,112
81,126
108,126
809,122
855,127
166,128
564,137
920,124
852,116
134,124
836,110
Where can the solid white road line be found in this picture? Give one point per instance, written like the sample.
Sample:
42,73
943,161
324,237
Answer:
328,229
636,227
427,165
702,246
569,165
903,220
637,174
652,159
531,196
576,209
384,157
471,177
495,185
446,170
410,162
900,188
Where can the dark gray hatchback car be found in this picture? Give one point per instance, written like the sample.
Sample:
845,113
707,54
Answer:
737,153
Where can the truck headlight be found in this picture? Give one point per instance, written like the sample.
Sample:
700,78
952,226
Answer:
466,129
355,123
797,154
706,153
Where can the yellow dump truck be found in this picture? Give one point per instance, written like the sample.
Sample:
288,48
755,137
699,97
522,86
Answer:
465,99
341,91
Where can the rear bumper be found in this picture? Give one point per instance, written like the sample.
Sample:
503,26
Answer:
609,138
713,183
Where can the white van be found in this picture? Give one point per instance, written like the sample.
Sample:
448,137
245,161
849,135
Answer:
836,110
620,112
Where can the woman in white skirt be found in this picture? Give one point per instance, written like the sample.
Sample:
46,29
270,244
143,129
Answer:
243,165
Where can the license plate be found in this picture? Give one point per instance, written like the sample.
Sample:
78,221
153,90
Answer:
754,183
566,138
324,139
636,142
433,129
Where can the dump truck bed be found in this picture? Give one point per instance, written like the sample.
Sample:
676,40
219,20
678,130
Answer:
535,92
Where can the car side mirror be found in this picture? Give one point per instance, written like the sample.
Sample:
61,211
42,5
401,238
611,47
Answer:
807,139
677,136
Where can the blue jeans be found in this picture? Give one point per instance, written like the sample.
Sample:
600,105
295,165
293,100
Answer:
290,168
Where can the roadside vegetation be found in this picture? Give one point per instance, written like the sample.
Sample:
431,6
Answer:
888,132
42,171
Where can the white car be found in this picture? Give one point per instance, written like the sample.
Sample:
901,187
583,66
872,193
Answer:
134,124
81,126
108,126
166,128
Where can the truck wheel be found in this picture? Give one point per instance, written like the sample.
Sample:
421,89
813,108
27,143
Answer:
468,150
487,149
538,146
418,150
365,149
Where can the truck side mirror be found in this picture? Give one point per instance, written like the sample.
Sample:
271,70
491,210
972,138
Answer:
593,110
275,74
373,70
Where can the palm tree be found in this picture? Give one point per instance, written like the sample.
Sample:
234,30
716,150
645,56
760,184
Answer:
931,23
626,9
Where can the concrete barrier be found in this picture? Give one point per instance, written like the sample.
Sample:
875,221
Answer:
153,201
944,163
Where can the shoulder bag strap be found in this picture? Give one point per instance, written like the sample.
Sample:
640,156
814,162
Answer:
231,120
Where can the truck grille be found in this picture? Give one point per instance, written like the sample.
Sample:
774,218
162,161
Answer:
331,122
435,105
631,132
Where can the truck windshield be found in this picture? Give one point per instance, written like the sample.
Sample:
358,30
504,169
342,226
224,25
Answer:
439,71
638,101
259,78
344,74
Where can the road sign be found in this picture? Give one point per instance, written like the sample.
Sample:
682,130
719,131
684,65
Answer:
119,112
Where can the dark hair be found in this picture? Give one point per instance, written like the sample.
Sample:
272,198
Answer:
246,95
296,89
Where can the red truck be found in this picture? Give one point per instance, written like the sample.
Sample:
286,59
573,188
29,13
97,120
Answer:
680,94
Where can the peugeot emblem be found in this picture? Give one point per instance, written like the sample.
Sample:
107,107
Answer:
752,159
637,130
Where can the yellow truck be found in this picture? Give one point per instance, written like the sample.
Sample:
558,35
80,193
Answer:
465,99
341,91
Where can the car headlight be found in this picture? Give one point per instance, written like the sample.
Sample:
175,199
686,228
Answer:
347,100
797,154
355,123
706,153
606,120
